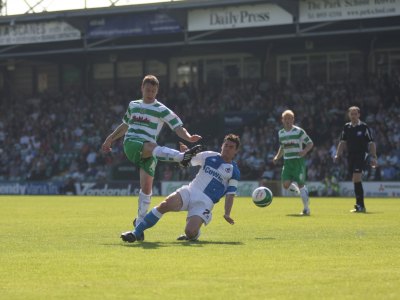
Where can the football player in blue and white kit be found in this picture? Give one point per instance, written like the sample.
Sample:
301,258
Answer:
218,176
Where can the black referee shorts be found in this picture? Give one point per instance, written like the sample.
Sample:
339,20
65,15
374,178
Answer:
357,162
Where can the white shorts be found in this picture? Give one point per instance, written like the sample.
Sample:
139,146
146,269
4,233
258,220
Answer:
196,203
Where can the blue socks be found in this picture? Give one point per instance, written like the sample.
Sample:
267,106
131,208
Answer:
150,220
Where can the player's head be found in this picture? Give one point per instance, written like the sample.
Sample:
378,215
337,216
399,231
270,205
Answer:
288,119
150,86
230,146
354,113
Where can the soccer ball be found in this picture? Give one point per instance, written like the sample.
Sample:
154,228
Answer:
262,196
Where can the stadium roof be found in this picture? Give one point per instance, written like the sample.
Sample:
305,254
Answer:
178,10
135,6
38,6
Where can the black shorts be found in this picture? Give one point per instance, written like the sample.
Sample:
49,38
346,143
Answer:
357,162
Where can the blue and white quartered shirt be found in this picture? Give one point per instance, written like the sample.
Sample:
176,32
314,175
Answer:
216,177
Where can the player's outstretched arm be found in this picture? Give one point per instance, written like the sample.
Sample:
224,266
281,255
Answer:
228,207
185,135
115,135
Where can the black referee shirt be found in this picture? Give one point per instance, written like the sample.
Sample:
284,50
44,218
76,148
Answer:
356,137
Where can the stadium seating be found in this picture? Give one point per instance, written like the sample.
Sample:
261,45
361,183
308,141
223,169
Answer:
58,136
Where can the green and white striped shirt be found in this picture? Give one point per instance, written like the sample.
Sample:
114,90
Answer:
145,121
292,141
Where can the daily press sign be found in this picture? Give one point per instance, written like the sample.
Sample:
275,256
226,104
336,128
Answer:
238,17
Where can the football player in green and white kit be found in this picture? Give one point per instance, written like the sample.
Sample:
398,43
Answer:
141,126
292,139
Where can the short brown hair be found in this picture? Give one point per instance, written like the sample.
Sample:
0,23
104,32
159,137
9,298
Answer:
354,108
151,79
233,138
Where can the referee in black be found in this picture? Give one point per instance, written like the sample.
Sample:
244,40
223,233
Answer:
356,135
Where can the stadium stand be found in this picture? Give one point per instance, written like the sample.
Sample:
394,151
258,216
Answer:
40,142
59,98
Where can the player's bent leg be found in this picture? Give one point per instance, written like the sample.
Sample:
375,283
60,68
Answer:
291,187
147,150
161,152
172,203
167,154
192,230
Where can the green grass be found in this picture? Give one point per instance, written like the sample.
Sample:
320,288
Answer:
69,248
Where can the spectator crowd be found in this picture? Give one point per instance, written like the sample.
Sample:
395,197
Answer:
59,136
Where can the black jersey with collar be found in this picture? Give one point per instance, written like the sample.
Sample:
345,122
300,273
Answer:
356,137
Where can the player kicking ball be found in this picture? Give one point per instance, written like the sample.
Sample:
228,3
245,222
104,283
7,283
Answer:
218,176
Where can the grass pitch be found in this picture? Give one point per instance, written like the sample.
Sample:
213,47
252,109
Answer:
69,248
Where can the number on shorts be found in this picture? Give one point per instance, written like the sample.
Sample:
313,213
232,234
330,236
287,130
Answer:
206,213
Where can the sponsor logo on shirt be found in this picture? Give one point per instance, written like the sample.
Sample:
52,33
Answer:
140,119
213,173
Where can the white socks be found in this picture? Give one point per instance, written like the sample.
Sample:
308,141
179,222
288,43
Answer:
143,206
304,197
294,188
167,154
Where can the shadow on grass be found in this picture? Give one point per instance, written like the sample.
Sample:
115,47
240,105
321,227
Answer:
297,215
350,213
156,245
204,243
265,238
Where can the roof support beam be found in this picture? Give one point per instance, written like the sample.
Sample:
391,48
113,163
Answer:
31,8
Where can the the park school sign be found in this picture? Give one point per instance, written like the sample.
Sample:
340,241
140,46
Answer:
334,10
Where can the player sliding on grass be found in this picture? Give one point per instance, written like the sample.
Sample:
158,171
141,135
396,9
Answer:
218,176
141,126
291,140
